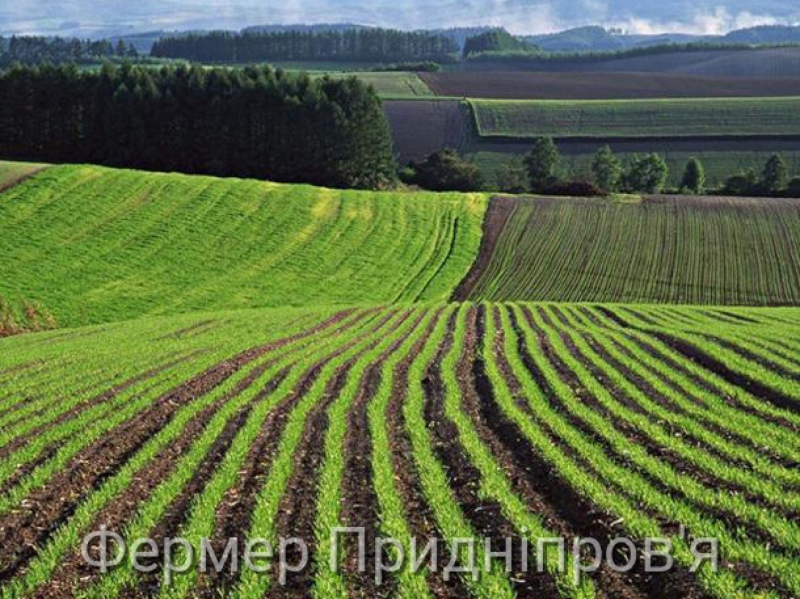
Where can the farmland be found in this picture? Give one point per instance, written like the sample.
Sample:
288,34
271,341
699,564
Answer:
95,245
12,173
428,421
521,85
672,118
758,63
666,250
387,84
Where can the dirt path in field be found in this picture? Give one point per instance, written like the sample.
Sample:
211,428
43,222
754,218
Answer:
419,514
359,499
298,506
581,516
497,216
28,527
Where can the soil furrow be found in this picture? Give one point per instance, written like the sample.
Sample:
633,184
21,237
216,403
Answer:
419,515
74,572
359,499
106,396
754,577
28,527
752,386
582,516
298,506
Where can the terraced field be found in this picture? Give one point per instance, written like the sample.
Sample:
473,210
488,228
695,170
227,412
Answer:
415,422
95,245
669,249
673,118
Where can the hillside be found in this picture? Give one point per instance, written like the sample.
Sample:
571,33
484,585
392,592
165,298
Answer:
677,250
94,244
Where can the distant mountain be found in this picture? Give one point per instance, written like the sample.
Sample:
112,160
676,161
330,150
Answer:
600,39
767,34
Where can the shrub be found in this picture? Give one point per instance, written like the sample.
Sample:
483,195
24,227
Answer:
446,171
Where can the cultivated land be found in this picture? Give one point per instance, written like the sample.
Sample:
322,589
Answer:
673,118
94,244
430,421
678,250
12,173
387,84
521,85
759,63
394,411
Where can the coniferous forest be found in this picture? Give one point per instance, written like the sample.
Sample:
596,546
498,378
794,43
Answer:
357,45
252,122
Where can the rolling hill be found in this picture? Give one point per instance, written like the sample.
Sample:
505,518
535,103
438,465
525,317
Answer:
94,244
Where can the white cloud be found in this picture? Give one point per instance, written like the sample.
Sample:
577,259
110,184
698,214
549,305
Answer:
715,22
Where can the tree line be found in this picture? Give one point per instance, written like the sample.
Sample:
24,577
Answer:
538,172
57,50
355,45
252,122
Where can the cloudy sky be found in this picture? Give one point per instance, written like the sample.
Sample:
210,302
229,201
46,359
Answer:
519,16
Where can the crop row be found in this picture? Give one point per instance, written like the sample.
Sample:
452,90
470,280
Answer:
484,421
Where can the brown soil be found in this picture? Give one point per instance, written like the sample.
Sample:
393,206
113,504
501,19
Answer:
422,127
757,579
678,583
74,572
359,500
519,85
298,506
752,386
497,216
29,526
91,402
419,515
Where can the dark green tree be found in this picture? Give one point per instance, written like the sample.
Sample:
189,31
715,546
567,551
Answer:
446,171
541,162
743,184
793,189
775,175
694,177
607,170
648,174
513,177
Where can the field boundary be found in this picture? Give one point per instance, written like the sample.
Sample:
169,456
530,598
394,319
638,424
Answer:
497,215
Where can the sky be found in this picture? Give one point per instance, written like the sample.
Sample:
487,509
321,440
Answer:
87,17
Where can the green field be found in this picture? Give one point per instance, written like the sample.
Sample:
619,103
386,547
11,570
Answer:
387,84
678,250
243,423
94,244
270,361
719,165
637,118
12,172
